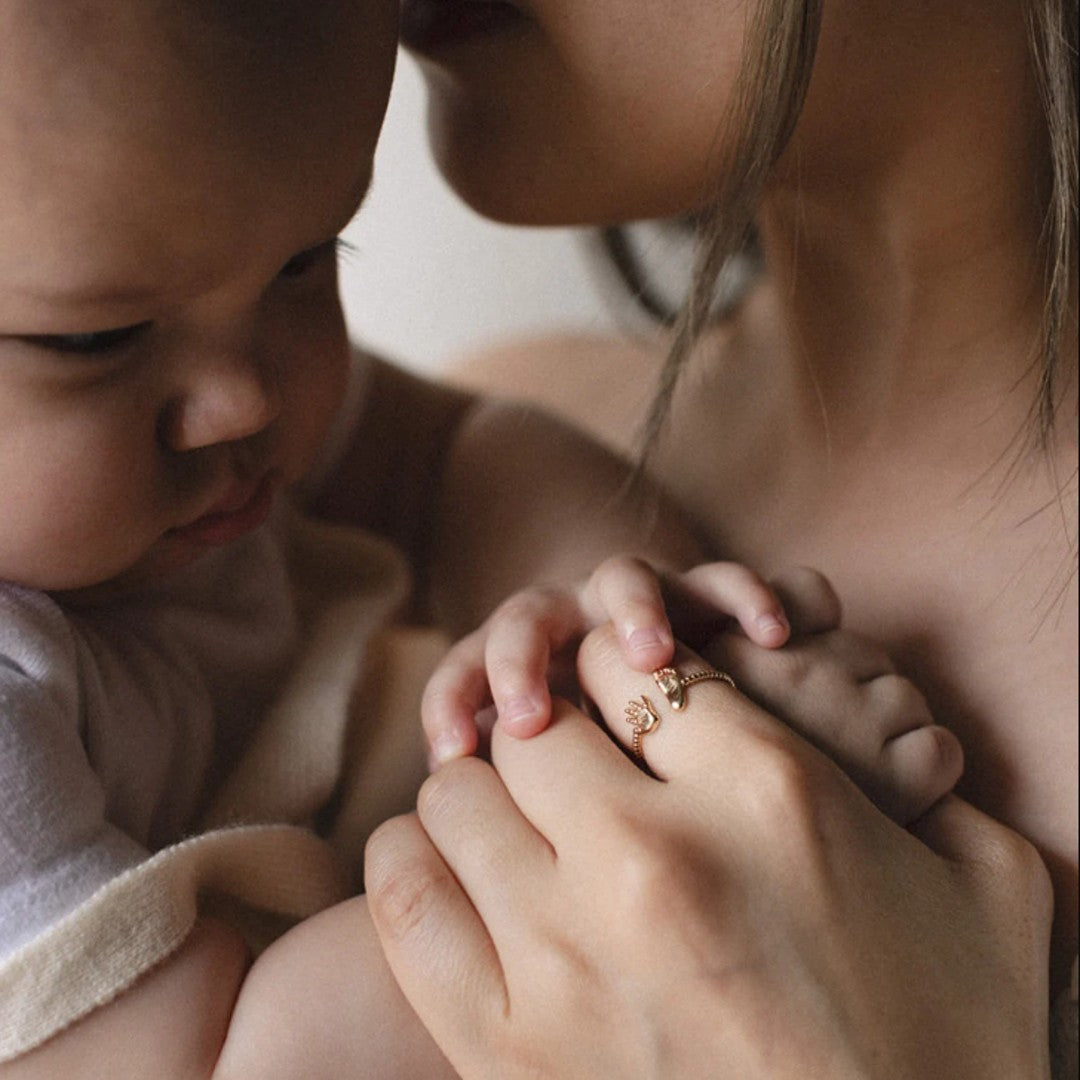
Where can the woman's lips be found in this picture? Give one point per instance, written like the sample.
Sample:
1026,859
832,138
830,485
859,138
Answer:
428,25
239,513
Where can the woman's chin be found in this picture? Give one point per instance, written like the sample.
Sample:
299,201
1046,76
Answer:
435,29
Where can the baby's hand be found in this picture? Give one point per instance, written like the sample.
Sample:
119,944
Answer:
530,641
842,693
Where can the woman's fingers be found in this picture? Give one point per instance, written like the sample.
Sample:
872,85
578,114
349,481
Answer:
640,716
438,948
466,811
555,777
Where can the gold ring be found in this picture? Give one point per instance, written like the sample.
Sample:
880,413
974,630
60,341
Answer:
674,685
641,714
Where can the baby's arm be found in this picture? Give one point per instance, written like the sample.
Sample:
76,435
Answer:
319,1003
487,497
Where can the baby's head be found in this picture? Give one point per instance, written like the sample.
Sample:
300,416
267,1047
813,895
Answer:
173,175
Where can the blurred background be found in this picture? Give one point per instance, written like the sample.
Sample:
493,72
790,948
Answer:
431,281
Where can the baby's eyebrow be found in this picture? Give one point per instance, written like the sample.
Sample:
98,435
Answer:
30,302
93,294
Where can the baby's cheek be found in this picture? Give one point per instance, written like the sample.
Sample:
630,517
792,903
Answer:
315,385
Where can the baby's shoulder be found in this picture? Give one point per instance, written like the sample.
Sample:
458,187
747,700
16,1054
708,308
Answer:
37,644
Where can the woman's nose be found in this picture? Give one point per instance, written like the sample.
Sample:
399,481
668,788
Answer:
223,399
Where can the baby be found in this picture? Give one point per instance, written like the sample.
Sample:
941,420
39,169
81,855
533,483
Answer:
174,379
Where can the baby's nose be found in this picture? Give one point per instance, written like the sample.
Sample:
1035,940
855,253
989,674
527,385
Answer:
228,399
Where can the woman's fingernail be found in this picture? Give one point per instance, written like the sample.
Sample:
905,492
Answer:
646,639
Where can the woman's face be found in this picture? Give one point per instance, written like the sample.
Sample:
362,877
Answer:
576,111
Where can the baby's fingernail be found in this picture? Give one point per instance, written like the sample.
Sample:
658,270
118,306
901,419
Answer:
772,624
443,749
646,639
517,708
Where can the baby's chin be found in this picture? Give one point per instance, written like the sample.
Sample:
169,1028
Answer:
154,568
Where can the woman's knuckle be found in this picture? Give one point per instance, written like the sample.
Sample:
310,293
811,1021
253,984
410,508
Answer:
600,650
446,788
1014,855
402,896
793,793
644,856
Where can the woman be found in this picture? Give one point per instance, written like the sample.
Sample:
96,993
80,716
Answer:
890,402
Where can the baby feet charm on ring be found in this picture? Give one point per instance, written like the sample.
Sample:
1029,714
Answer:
667,678
674,685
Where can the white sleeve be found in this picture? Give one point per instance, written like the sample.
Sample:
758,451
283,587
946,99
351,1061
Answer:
56,848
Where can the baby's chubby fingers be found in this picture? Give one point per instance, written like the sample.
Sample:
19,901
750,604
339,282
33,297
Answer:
523,634
626,592
506,663
809,600
736,591
455,693
643,603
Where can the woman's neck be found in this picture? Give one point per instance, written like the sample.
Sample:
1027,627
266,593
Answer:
902,232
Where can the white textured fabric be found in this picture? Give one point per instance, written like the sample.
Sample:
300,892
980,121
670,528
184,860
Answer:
169,751
114,720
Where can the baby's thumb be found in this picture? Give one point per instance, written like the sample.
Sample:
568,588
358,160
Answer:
956,831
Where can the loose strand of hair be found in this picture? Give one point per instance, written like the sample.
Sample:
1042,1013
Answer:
1052,32
769,91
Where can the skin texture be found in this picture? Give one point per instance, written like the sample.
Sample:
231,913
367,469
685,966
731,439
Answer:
214,227
553,109
865,412
301,181
742,915
195,208
170,341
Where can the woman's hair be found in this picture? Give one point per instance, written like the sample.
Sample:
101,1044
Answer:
770,88
1052,32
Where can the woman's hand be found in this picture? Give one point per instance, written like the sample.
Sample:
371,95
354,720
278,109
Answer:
745,913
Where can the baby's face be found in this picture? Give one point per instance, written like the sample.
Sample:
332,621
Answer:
173,175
